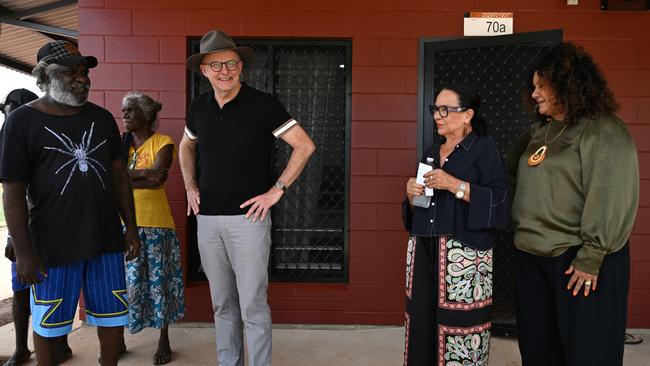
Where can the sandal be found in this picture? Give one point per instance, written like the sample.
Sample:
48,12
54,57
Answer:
632,339
162,357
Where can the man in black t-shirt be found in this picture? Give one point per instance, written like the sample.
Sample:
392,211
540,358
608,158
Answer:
65,154
233,128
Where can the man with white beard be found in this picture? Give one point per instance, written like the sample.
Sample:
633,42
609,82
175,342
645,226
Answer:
65,153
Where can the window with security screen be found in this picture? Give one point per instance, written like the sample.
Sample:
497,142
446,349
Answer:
310,223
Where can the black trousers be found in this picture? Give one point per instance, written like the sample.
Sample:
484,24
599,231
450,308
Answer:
555,328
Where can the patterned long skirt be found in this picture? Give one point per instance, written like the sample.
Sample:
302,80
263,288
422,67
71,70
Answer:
155,281
448,299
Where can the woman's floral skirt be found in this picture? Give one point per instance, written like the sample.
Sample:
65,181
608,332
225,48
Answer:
155,280
448,298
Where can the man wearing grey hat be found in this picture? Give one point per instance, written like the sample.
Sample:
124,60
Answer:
65,153
233,128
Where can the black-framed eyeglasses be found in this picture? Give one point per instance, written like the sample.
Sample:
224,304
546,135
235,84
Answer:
216,66
444,110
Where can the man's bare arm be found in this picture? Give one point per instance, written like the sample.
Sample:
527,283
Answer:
123,195
187,159
303,147
28,263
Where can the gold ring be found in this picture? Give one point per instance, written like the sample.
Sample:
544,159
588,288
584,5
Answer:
588,283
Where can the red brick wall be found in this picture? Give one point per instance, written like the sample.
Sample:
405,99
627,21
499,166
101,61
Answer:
141,44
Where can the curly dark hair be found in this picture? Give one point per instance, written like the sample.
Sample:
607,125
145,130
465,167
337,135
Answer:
578,83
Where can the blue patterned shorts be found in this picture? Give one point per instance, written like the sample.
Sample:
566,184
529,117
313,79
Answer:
54,301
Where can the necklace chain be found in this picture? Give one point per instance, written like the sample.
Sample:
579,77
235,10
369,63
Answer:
539,155
556,136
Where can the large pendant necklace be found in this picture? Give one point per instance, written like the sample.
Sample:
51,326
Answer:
539,155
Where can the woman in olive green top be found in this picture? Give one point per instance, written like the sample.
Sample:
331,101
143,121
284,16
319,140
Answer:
576,183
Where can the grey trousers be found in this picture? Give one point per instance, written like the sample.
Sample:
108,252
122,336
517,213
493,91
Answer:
234,255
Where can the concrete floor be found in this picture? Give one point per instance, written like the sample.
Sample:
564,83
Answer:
193,344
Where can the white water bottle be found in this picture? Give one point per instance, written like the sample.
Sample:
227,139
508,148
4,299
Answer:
424,200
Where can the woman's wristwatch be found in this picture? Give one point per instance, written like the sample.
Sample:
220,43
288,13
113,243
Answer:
460,192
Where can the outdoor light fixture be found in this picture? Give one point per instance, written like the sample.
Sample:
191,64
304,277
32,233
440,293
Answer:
625,5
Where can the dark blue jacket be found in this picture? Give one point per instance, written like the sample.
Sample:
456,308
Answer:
477,161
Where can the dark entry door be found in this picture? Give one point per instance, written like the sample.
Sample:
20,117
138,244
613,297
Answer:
499,67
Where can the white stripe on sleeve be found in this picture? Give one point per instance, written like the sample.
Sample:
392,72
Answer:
284,128
189,134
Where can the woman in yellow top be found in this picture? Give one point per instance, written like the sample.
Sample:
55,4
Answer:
155,279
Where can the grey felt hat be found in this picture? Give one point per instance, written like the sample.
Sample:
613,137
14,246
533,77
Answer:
217,41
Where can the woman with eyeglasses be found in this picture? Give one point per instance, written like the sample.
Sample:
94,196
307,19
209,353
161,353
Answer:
576,179
449,255
154,279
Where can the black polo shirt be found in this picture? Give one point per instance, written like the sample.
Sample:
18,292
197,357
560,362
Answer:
477,161
234,147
